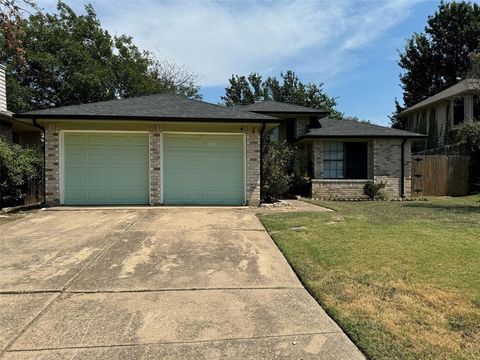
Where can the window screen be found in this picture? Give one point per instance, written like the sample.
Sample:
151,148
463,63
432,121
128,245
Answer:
333,158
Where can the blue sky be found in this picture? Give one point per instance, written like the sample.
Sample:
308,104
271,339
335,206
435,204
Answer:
351,46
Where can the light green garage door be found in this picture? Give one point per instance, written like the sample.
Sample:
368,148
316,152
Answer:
203,169
106,168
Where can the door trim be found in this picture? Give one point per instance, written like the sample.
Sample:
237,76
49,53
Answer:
162,152
61,156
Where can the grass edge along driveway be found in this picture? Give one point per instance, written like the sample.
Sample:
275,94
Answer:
401,278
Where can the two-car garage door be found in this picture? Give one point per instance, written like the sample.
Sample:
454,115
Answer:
113,168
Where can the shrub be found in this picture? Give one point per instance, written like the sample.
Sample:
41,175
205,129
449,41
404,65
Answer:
276,171
469,137
374,191
18,165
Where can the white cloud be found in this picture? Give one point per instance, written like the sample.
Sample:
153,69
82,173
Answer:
217,39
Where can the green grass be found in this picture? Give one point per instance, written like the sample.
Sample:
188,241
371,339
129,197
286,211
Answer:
401,278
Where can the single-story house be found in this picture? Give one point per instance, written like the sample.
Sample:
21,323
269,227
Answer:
169,150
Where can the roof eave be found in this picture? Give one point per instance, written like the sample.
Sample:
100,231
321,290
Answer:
143,118
413,136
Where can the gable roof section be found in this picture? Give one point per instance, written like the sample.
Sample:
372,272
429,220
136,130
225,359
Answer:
151,107
333,128
277,107
448,93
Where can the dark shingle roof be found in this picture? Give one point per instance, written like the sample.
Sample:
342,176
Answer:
348,128
151,107
276,107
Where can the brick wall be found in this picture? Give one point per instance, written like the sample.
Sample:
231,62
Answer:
253,166
384,165
387,165
52,169
333,188
155,167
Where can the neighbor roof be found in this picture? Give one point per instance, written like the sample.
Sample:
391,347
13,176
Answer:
448,93
277,107
349,128
151,107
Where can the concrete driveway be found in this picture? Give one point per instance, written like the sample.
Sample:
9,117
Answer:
150,283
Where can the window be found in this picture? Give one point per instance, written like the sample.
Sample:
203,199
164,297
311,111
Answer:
476,107
333,161
458,111
273,135
345,160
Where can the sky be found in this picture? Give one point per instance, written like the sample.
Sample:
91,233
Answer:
349,45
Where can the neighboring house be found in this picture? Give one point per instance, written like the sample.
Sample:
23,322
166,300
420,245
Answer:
165,149
13,130
440,115
340,156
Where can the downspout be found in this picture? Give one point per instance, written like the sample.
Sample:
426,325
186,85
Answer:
42,128
262,130
402,170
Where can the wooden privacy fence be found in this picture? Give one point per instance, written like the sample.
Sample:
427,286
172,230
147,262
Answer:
437,175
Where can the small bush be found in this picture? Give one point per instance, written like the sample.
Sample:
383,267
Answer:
375,191
18,165
276,171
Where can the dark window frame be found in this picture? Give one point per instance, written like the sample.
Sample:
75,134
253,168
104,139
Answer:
346,168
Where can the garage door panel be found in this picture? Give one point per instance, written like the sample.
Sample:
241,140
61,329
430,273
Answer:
108,168
203,169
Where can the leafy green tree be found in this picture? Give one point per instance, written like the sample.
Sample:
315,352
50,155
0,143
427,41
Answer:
18,165
469,137
439,57
244,90
70,59
277,173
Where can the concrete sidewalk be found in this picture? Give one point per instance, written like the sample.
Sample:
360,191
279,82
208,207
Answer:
170,283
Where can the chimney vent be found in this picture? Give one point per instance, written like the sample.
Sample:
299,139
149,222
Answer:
3,89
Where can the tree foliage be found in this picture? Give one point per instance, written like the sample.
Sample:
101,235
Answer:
468,136
439,57
244,90
70,59
18,165
277,174
11,29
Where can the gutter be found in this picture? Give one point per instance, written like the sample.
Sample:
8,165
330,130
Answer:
402,169
42,128
262,130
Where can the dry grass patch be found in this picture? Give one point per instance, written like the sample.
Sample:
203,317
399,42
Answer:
400,278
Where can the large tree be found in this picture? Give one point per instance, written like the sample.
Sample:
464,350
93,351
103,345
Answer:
439,57
70,59
11,25
244,90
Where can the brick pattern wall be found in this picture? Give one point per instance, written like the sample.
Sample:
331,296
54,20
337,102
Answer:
253,166
155,171
317,160
384,165
52,168
387,165
342,189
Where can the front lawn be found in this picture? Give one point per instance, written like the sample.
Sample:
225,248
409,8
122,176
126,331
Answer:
401,278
